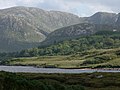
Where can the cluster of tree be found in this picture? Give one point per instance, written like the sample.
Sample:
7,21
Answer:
100,40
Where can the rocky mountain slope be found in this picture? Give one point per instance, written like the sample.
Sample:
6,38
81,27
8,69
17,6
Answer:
103,18
25,27
118,20
78,30
22,25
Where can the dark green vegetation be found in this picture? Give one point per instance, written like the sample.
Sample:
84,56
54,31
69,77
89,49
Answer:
30,81
95,51
102,58
100,40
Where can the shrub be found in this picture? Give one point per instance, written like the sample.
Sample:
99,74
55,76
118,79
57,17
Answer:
100,59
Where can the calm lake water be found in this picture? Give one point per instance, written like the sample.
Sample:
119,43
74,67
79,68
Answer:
31,69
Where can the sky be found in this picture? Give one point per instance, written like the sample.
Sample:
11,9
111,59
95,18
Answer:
82,8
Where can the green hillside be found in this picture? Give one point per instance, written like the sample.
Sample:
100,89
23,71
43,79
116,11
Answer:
100,58
100,40
99,50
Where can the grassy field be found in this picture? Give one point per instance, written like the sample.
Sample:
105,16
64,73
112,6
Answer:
85,81
92,59
57,61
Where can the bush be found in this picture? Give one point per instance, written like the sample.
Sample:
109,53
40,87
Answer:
100,59
106,57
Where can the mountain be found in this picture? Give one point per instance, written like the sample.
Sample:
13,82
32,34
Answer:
100,21
75,31
98,41
25,27
103,18
118,20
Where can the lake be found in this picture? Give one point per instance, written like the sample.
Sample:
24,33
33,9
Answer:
30,69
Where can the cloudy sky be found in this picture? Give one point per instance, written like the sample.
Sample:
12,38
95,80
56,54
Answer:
79,7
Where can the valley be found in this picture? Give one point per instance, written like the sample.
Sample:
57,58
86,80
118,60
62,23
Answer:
28,27
59,45
100,50
103,58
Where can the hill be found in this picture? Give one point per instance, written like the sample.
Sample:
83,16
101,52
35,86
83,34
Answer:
76,31
103,18
101,48
25,27
21,26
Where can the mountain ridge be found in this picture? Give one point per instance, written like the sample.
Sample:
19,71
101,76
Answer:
76,31
20,25
30,25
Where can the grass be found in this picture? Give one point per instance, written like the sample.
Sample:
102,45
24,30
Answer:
58,61
88,59
84,81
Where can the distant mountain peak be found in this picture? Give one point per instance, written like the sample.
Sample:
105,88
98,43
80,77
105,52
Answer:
103,18
104,13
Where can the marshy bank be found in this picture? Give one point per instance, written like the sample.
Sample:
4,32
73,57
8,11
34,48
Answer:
84,81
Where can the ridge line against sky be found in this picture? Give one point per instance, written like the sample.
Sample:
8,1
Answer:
79,7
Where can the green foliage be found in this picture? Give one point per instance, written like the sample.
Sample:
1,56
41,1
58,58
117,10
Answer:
81,48
12,81
100,59
107,33
84,81
101,40
106,57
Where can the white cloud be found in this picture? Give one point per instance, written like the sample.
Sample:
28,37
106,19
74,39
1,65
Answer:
96,8
30,2
79,7
6,3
